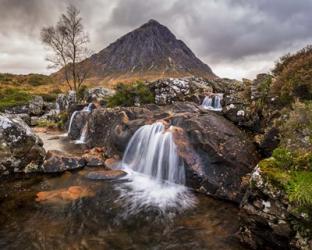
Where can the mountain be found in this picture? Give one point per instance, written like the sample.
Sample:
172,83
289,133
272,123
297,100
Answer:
148,53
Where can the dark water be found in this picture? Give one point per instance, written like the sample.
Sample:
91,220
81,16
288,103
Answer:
106,221
98,222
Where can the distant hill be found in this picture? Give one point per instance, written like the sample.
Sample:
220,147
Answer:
147,53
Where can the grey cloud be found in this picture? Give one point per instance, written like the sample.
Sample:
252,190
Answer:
222,33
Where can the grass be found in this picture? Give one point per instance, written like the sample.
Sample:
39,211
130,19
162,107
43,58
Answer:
12,97
290,172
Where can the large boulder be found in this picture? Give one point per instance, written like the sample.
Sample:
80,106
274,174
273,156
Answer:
218,155
65,101
20,149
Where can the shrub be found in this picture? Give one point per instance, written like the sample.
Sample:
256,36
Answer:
293,76
130,94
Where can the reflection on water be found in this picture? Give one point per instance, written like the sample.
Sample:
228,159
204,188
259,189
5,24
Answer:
106,220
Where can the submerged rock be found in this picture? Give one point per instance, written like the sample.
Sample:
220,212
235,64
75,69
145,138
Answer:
106,174
58,162
20,149
64,195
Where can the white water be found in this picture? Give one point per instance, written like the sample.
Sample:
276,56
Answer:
152,151
156,174
85,109
212,103
83,136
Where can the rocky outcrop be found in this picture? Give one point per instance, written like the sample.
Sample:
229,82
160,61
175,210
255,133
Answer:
98,93
268,219
65,101
218,154
21,150
168,91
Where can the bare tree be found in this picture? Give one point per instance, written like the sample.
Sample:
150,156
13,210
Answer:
68,42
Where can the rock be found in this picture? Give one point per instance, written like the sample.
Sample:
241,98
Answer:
17,110
94,157
111,162
64,102
98,93
20,149
168,91
269,142
106,175
78,122
218,155
25,117
64,195
268,220
36,106
58,162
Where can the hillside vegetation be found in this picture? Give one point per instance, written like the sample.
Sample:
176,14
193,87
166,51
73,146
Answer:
17,90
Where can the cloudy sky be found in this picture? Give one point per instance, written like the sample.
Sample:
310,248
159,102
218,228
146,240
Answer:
237,38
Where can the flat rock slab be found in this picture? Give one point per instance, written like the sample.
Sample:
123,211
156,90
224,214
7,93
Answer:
106,174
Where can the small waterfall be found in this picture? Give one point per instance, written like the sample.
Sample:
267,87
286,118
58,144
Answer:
152,151
212,102
156,175
85,109
83,136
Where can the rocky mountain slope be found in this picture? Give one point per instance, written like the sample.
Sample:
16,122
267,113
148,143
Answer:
147,53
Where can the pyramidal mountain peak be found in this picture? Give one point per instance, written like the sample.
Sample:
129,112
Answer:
149,52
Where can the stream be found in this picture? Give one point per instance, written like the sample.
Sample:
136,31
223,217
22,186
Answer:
112,215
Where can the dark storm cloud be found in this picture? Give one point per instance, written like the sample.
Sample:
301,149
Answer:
235,37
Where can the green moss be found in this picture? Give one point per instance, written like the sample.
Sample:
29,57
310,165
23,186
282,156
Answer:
128,94
273,173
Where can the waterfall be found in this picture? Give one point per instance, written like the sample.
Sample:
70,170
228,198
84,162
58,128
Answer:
212,102
152,151
156,174
83,136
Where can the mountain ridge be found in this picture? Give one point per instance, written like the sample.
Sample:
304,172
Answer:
149,52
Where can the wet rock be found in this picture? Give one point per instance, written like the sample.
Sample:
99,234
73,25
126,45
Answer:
106,175
111,162
58,162
64,195
78,122
36,106
20,149
269,142
94,157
